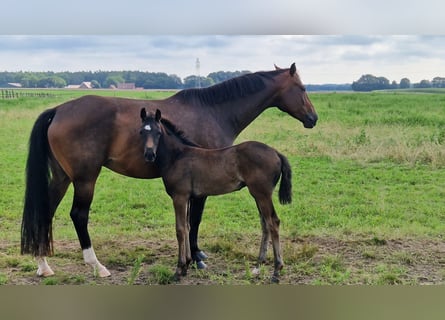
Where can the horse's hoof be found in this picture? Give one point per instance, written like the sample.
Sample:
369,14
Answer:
201,265
200,255
256,271
103,272
45,273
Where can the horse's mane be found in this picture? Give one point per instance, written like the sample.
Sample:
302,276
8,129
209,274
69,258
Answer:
172,129
228,90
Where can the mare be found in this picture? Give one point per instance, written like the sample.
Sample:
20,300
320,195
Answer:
70,143
192,172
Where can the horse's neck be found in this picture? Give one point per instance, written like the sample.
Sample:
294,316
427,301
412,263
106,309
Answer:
237,115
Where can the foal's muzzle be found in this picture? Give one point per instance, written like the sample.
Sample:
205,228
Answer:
149,155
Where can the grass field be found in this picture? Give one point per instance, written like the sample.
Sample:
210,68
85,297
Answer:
369,187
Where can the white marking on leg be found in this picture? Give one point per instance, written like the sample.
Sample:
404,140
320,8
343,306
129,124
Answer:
43,268
256,271
90,258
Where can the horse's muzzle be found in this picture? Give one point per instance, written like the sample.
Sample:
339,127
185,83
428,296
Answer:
310,120
149,155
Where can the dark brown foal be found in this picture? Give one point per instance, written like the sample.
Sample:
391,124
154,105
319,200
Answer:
192,172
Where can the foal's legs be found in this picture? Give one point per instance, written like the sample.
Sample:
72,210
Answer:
270,224
264,241
57,188
180,204
83,196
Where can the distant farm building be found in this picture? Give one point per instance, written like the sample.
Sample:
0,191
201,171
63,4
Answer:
13,85
83,85
126,86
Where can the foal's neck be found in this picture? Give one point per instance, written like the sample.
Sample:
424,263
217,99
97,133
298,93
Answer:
169,149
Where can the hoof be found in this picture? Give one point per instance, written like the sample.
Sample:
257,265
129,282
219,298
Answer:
275,279
102,272
200,255
201,265
47,272
43,270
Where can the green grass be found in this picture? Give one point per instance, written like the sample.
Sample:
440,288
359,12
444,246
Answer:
373,167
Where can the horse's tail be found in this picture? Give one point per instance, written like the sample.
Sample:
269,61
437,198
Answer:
285,191
36,232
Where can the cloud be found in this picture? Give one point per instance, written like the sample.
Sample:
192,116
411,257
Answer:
320,59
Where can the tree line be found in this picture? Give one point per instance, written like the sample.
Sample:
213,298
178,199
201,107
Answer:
369,82
105,79
160,80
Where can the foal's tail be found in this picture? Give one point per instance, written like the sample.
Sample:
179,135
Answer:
36,232
285,191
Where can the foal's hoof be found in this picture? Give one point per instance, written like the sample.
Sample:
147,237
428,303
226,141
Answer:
200,255
275,279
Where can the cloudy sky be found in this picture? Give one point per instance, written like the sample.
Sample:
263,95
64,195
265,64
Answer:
319,58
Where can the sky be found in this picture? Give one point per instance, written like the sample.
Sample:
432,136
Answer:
319,58
330,41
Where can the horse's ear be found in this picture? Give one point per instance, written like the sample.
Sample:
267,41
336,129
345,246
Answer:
292,69
276,67
143,114
158,115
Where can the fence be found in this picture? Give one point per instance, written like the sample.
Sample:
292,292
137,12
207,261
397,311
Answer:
14,94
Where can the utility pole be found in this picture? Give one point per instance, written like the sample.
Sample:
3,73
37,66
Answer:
198,76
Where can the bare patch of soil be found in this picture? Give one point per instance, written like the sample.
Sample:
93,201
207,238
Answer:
309,260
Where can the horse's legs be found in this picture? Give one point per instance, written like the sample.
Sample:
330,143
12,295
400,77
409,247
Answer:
196,207
83,196
57,188
180,204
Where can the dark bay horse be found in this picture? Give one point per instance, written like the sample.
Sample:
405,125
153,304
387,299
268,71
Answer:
192,172
73,141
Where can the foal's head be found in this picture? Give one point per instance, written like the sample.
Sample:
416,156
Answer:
151,132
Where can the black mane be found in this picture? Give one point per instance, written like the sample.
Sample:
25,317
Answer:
228,90
172,129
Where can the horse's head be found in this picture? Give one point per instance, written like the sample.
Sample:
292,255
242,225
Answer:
150,132
293,98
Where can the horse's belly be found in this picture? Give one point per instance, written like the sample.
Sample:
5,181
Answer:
142,171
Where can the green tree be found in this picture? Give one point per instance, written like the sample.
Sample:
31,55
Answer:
95,84
113,80
438,82
51,82
29,80
192,81
423,84
405,83
368,82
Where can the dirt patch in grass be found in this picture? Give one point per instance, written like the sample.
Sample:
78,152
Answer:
309,260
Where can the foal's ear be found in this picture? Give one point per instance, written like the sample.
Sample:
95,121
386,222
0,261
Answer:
276,67
158,115
292,69
143,114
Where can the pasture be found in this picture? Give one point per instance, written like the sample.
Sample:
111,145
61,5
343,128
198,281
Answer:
368,204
